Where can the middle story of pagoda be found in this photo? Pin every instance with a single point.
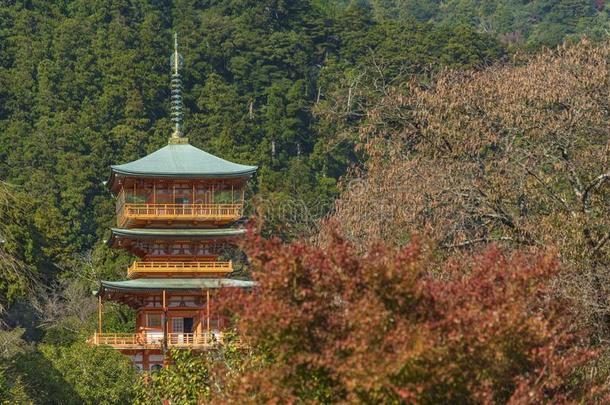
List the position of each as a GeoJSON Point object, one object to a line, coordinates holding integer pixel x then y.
{"type": "Point", "coordinates": [178, 211]}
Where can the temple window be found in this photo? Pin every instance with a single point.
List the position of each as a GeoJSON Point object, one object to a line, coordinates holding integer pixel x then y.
{"type": "Point", "coordinates": [153, 320]}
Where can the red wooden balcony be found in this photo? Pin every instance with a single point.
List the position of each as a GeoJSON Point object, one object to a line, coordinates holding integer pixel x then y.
{"type": "Point", "coordinates": [130, 214]}
{"type": "Point", "coordinates": [139, 269]}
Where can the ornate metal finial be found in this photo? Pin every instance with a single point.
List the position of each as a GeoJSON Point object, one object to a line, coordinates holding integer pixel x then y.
{"type": "Point", "coordinates": [176, 62]}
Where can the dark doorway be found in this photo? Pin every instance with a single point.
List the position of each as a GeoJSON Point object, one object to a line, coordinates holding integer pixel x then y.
{"type": "Point", "coordinates": [188, 325]}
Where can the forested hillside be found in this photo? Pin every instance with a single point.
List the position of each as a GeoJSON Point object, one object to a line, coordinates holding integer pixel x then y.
{"type": "Point", "coordinates": [516, 23]}
{"type": "Point", "coordinates": [332, 100]}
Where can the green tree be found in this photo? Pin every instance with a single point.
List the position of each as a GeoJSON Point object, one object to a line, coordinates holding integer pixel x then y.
{"type": "Point", "coordinates": [186, 381]}
{"type": "Point", "coordinates": [76, 374]}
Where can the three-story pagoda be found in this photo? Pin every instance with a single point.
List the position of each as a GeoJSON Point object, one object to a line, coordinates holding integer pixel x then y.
{"type": "Point", "coordinates": [177, 210]}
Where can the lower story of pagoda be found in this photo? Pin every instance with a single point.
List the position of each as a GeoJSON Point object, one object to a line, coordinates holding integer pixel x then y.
{"type": "Point", "coordinates": [170, 314]}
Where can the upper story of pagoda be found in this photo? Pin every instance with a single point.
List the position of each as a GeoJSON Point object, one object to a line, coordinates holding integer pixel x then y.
{"type": "Point", "coordinates": [179, 185]}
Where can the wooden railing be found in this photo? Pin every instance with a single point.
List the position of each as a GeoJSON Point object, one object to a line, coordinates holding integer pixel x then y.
{"type": "Point", "coordinates": [174, 212]}
{"type": "Point", "coordinates": [142, 340]}
{"type": "Point", "coordinates": [138, 268]}
{"type": "Point", "coordinates": [119, 340]}
{"type": "Point", "coordinates": [193, 339]}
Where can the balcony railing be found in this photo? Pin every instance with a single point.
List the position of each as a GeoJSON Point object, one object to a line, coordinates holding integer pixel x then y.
{"type": "Point", "coordinates": [223, 213]}
{"type": "Point", "coordinates": [194, 339]}
{"type": "Point", "coordinates": [121, 340]}
{"type": "Point", "coordinates": [151, 268]}
{"type": "Point", "coordinates": [149, 341]}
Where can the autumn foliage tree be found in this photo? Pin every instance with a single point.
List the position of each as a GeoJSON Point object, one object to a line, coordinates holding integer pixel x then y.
{"type": "Point", "coordinates": [515, 154]}
{"type": "Point", "coordinates": [330, 325]}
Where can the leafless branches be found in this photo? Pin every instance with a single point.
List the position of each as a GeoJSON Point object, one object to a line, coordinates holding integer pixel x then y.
{"type": "Point", "coordinates": [64, 300]}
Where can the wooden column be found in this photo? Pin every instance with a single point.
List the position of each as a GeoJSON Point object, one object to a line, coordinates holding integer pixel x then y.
{"type": "Point", "coordinates": [145, 362]}
{"type": "Point", "coordinates": [99, 314]}
{"type": "Point", "coordinates": [207, 303]}
{"type": "Point", "coordinates": [164, 348]}
{"type": "Point", "coordinates": [154, 192]}
{"type": "Point", "coordinates": [201, 316]}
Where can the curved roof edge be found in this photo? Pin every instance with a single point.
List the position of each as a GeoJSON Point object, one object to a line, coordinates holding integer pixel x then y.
{"type": "Point", "coordinates": [173, 233]}
{"type": "Point", "coordinates": [178, 231]}
{"type": "Point", "coordinates": [171, 284]}
{"type": "Point", "coordinates": [180, 161]}
{"type": "Point", "coordinates": [185, 176]}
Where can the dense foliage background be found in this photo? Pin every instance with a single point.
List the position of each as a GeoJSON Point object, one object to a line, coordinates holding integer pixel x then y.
{"type": "Point", "coordinates": [331, 99]}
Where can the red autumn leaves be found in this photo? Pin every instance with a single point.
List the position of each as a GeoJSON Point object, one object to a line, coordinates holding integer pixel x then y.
{"type": "Point", "coordinates": [329, 325]}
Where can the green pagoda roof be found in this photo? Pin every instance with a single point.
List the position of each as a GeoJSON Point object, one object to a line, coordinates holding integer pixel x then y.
{"type": "Point", "coordinates": [181, 161]}
{"type": "Point", "coordinates": [173, 284]}
{"type": "Point", "coordinates": [173, 233]}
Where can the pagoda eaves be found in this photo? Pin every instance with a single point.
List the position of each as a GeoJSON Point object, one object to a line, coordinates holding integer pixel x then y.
{"type": "Point", "coordinates": [180, 161]}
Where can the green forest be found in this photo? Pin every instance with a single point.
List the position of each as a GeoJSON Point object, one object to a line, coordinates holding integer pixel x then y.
{"type": "Point", "coordinates": [439, 167]}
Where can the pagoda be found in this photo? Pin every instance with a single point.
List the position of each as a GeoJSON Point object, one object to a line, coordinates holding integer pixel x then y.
{"type": "Point", "coordinates": [178, 210]}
